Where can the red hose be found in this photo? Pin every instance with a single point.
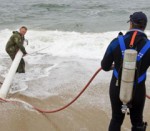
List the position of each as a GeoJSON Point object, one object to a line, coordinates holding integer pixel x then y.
{"type": "Point", "coordinates": [148, 96]}
{"type": "Point", "coordinates": [52, 111]}
{"type": "Point", "coordinates": [62, 108]}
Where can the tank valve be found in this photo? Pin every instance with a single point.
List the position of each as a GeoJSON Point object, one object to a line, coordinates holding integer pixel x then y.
{"type": "Point", "coordinates": [125, 109]}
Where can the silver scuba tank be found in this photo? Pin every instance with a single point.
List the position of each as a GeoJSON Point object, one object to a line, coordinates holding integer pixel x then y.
{"type": "Point", "coordinates": [127, 78]}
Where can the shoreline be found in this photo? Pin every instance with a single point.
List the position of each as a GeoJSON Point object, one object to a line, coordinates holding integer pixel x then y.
{"type": "Point", "coordinates": [91, 112]}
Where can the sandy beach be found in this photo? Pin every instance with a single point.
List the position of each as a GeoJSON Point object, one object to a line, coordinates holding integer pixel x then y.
{"type": "Point", "coordinates": [67, 40]}
{"type": "Point", "coordinates": [91, 112]}
{"type": "Point", "coordinates": [74, 118]}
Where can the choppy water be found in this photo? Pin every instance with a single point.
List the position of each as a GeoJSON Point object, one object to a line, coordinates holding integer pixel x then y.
{"type": "Point", "coordinates": [70, 15]}
{"type": "Point", "coordinates": [75, 34]}
{"type": "Point", "coordinates": [67, 28]}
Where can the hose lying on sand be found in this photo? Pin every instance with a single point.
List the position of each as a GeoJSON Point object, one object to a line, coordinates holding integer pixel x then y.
{"type": "Point", "coordinates": [64, 107]}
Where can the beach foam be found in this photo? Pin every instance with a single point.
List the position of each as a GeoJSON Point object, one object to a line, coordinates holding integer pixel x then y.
{"type": "Point", "coordinates": [60, 72]}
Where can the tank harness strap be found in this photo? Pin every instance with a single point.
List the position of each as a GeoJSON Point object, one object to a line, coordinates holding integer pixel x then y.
{"type": "Point", "coordinates": [123, 48]}
{"type": "Point", "coordinates": [142, 77]}
{"type": "Point", "coordinates": [143, 50]}
{"type": "Point", "coordinates": [115, 73]}
{"type": "Point", "coordinates": [122, 44]}
{"type": "Point", "coordinates": [139, 56]}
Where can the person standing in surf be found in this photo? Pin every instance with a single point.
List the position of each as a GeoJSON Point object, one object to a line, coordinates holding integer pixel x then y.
{"type": "Point", "coordinates": [113, 54]}
{"type": "Point", "coordinates": [15, 43]}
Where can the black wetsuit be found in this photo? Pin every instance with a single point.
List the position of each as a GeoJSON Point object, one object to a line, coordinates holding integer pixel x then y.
{"type": "Point", "coordinates": [113, 54]}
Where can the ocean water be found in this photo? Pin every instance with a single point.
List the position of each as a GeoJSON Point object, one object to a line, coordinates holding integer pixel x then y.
{"type": "Point", "coordinates": [70, 15]}
{"type": "Point", "coordinates": [63, 29]}
{"type": "Point", "coordinates": [45, 47]}
{"type": "Point", "coordinates": [80, 28]}
{"type": "Point", "coordinates": [67, 40]}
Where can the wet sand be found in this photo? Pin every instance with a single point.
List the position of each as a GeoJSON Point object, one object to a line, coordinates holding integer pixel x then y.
{"type": "Point", "coordinates": [15, 117]}
{"type": "Point", "coordinates": [75, 118]}
{"type": "Point", "coordinates": [91, 112]}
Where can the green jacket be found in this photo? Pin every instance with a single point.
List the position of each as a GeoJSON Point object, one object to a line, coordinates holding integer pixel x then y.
{"type": "Point", "coordinates": [15, 43]}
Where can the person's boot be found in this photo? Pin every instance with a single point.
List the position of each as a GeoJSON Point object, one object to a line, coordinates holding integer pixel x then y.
{"type": "Point", "coordinates": [140, 128]}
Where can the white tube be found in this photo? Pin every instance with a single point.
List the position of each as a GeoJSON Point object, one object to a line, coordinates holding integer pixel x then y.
{"type": "Point", "coordinates": [128, 75]}
{"type": "Point", "coordinates": [8, 80]}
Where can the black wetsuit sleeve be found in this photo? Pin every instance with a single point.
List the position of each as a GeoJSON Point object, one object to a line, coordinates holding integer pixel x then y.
{"type": "Point", "coordinates": [108, 58]}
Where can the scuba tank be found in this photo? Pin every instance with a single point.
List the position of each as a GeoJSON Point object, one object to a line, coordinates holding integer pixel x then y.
{"type": "Point", "coordinates": [130, 60]}
{"type": "Point", "coordinates": [127, 78]}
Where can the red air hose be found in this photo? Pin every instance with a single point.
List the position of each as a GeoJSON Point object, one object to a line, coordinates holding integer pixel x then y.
{"type": "Point", "coordinates": [56, 110]}
{"type": "Point", "coordinates": [52, 111]}
{"type": "Point", "coordinates": [148, 96]}
{"type": "Point", "coordinates": [62, 108]}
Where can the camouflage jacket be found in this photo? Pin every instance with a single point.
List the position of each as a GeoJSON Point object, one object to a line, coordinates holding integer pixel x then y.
{"type": "Point", "coordinates": [15, 43]}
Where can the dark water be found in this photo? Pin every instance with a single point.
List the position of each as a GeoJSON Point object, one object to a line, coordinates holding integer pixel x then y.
{"type": "Point", "coordinates": [70, 15]}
